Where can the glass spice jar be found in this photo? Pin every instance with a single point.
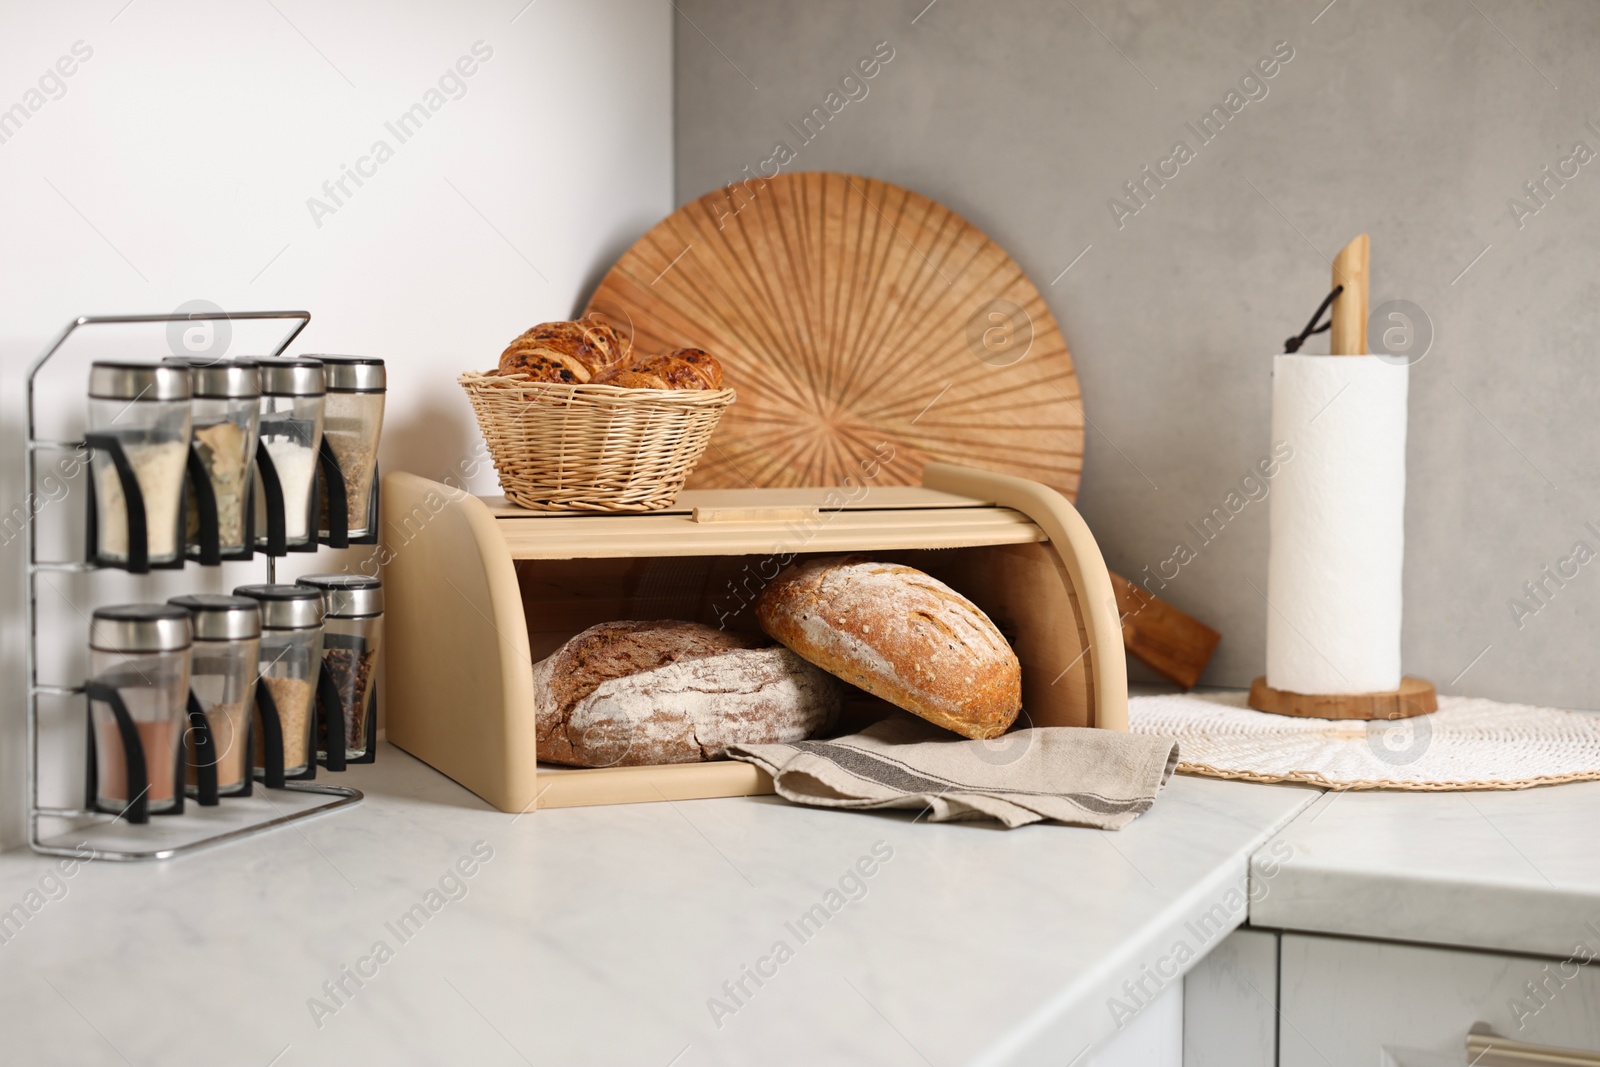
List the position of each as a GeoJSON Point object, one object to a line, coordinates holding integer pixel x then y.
{"type": "Point", "coordinates": [138, 653]}
{"type": "Point", "coordinates": [293, 392]}
{"type": "Point", "coordinates": [351, 634]}
{"type": "Point", "coordinates": [145, 408]}
{"type": "Point", "coordinates": [224, 663]}
{"type": "Point", "coordinates": [225, 410]}
{"type": "Point", "coordinates": [352, 424]}
{"type": "Point", "coordinates": [291, 655]}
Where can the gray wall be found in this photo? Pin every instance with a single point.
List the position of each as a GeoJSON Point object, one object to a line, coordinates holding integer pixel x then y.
{"type": "Point", "coordinates": [1415, 122]}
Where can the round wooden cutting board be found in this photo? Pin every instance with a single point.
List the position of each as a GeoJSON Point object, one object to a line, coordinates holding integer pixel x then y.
{"type": "Point", "coordinates": [857, 320]}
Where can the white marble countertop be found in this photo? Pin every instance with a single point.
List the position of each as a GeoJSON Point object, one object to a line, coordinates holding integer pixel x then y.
{"type": "Point", "coordinates": [600, 935]}
{"type": "Point", "coordinates": [1509, 871]}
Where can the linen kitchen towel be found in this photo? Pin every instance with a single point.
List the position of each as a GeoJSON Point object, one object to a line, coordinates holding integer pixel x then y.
{"type": "Point", "coordinates": [1082, 777]}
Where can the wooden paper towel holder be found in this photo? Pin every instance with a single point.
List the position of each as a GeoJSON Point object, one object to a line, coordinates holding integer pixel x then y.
{"type": "Point", "coordinates": [1414, 697]}
{"type": "Point", "coordinates": [1348, 337]}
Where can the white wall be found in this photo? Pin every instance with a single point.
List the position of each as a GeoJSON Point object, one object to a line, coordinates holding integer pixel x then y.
{"type": "Point", "coordinates": [176, 162]}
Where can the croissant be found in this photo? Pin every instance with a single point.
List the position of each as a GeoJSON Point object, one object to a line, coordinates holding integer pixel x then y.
{"type": "Point", "coordinates": [588, 348]}
{"type": "Point", "coordinates": [685, 368]}
{"type": "Point", "coordinates": [544, 365]}
{"type": "Point", "coordinates": [636, 379]}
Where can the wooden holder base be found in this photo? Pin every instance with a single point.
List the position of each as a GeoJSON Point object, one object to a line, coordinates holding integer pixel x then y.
{"type": "Point", "coordinates": [1414, 697]}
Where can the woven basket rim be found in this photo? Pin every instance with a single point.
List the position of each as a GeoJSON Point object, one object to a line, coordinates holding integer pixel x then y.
{"type": "Point", "coordinates": [593, 388]}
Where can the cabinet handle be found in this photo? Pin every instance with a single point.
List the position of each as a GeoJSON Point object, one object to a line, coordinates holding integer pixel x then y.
{"type": "Point", "coordinates": [1485, 1049]}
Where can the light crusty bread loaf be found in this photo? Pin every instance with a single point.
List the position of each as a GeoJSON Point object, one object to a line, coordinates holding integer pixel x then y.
{"type": "Point", "coordinates": [625, 694]}
{"type": "Point", "coordinates": [900, 635]}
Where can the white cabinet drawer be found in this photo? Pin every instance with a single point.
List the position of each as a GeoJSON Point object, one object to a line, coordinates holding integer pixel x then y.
{"type": "Point", "coordinates": [1372, 1004]}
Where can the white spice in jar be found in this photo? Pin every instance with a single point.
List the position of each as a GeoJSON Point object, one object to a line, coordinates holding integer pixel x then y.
{"type": "Point", "coordinates": [296, 465]}
{"type": "Point", "coordinates": [158, 469]}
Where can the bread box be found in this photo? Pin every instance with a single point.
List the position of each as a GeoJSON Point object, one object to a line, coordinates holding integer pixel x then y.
{"type": "Point", "coordinates": [479, 590]}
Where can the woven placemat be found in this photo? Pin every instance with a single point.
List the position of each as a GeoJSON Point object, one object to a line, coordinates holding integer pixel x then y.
{"type": "Point", "coordinates": [1468, 743]}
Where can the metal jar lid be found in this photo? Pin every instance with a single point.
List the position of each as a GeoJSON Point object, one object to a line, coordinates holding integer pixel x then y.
{"type": "Point", "coordinates": [110, 380]}
{"type": "Point", "coordinates": [348, 596]}
{"type": "Point", "coordinates": [221, 379]}
{"type": "Point", "coordinates": [140, 628]}
{"type": "Point", "coordinates": [353, 374]}
{"type": "Point", "coordinates": [221, 618]}
{"type": "Point", "coordinates": [296, 376]}
{"type": "Point", "coordinates": [285, 607]}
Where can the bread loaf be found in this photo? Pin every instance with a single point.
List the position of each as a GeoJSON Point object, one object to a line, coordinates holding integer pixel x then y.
{"type": "Point", "coordinates": [625, 694]}
{"type": "Point", "coordinates": [900, 635]}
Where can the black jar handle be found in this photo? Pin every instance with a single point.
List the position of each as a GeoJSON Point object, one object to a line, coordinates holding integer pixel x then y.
{"type": "Point", "coordinates": [205, 752]}
{"type": "Point", "coordinates": [205, 499]}
{"type": "Point", "coordinates": [137, 777]}
{"type": "Point", "coordinates": [337, 499]}
{"type": "Point", "coordinates": [271, 736]}
{"type": "Point", "coordinates": [272, 491]}
{"type": "Point", "coordinates": [138, 561]}
{"type": "Point", "coordinates": [331, 716]}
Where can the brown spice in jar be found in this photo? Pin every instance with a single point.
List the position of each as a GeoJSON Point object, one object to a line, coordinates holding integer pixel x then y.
{"type": "Point", "coordinates": [159, 740]}
{"type": "Point", "coordinates": [351, 674]}
{"type": "Point", "coordinates": [357, 457]}
{"type": "Point", "coordinates": [293, 699]}
{"type": "Point", "coordinates": [227, 723]}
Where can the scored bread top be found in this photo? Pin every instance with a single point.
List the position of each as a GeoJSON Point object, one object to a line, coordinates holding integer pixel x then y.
{"type": "Point", "coordinates": [901, 635]}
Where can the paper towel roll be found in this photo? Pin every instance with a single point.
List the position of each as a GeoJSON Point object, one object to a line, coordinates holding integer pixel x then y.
{"type": "Point", "coordinates": [1338, 524]}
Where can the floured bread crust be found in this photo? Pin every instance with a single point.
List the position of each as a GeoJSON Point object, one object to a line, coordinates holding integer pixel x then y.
{"type": "Point", "coordinates": [637, 693]}
{"type": "Point", "coordinates": [901, 635]}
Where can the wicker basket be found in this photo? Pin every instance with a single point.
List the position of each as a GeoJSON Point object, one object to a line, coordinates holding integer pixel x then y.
{"type": "Point", "coordinates": [592, 447]}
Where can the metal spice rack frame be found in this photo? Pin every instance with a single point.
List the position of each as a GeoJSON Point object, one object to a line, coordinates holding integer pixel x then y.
{"type": "Point", "coordinates": [341, 796]}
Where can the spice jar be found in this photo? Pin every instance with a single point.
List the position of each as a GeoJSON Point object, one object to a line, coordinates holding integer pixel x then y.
{"type": "Point", "coordinates": [351, 426]}
{"type": "Point", "coordinates": [225, 411]}
{"type": "Point", "coordinates": [138, 690]}
{"type": "Point", "coordinates": [141, 409]}
{"type": "Point", "coordinates": [292, 394]}
{"type": "Point", "coordinates": [352, 630]}
{"type": "Point", "coordinates": [291, 654]}
{"type": "Point", "coordinates": [223, 666]}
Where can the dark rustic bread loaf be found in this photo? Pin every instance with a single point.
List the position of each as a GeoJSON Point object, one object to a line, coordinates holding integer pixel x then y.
{"type": "Point", "coordinates": [900, 635]}
{"type": "Point", "coordinates": [630, 693]}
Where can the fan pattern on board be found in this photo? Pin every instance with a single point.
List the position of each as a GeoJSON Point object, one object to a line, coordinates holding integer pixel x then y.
{"type": "Point", "coordinates": [857, 320]}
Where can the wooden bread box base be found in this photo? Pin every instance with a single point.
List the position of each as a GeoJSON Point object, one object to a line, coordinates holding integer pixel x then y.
{"type": "Point", "coordinates": [479, 591]}
{"type": "Point", "coordinates": [1414, 697]}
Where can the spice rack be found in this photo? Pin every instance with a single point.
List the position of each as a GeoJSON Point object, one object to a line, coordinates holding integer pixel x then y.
{"type": "Point", "coordinates": [115, 839]}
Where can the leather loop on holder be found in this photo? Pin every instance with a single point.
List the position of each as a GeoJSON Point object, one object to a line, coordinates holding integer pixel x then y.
{"type": "Point", "coordinates": [1292, 345]}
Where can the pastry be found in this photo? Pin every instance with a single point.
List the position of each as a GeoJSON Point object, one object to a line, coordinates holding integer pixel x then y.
{"type": "Point", "coordinates": [590, 344]}
{"type": "Point", "coordinates": [544, 366]}
{"type": "Point", "coordinates": [686, 368]}
{"type": "Point", "coordinates": [636, 379]}
{"type": "Point", "coordinates": [901, 635]}
{"type": "Point", "coordinates": [626, 694]}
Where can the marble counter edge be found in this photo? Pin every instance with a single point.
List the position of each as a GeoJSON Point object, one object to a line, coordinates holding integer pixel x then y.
{"type": "Point", "coordinates": [1089, 1012]}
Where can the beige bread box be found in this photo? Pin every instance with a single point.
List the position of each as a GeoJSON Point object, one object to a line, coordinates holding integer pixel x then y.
{"type": "Point", "coordinates": [479, 591]}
